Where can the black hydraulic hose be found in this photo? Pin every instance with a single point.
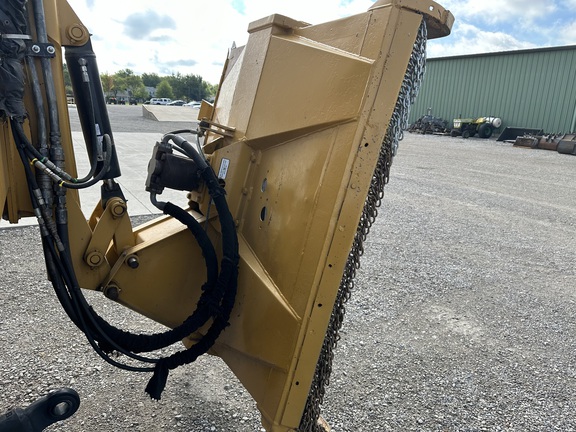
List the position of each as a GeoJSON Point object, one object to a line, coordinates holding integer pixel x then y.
{"type": "Point", "coordinates": [39, 105]}
{"type": "Point", "coordinates": [50, 258]}
{"type": "Point", "coordinates": [56, 150]}
{"type": "Point", "coordinates": [106, 334]}
{"type": "Point", "coordinates": [74, 302]}
{"type": "Point", "coordinates": [86, 312]}
{"type": "Point", "coordinates": [227, 279]}
{"type": "Point", "coordinates": [91, 329]}
{"type": "Point", "coordinates": [101, 174]}
{"type": "Point", "coordinates": [82, 312]}
{"type": "Point", "coordinates": [42, 34]}
{"type": "Point", "coordinates": [54, 266]}
{"type": "Point", "coordinates": [43, 152]}
{"type": "Point", "coordinates": [44, 180]}
{"type": "Point", "coordinates": [94, 140]}
{"type": "Point", "coordinates": [217, 193]}
{"type": "Point", "coordinates": [48, 245]}
{"type": "Point", "coordinates": [229, 237]}
{"type": "Point", "coordinates": [181, 131]}
{"type": "Point", "coordinates": [207, 304]}
{"type": "Point", "coordinates": [34, 154]}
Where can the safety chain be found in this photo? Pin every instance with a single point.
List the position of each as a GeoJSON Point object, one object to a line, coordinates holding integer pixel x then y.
{"type": "Point", "coordinates": [394, 133]}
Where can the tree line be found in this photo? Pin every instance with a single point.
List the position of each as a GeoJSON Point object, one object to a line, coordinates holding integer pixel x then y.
{"type": "Point", "coordinates": [175, 86]}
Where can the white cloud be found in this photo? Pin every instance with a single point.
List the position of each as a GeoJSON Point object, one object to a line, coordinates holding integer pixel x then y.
{"type": "Point", "coordinates": [567, 33]}
{"type": "Point", "coordinates": [469, 39]}
{"type": "Point", "coordinates": [498, 11]}
{"type": "Point", "coordinates": [200, 37]}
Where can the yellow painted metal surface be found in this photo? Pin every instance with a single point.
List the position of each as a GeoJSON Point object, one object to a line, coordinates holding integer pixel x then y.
{"type": "Point", "coordinates": [14, 200]}
{"type": "Point", "coordinates": [311, 103]}
{"type": "Point", "coordinates": [308, 107]}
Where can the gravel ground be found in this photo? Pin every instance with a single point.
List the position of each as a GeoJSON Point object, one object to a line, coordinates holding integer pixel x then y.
{"type": "Point", "coordinates": [462, 318]}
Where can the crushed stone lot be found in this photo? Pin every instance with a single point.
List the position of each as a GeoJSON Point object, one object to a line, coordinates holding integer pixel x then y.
{"type": "Point", "coordinates": [463, 317]}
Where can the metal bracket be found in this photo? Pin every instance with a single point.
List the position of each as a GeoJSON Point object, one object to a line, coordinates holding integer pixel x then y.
{"type": "Point", "coordinates": [210, 126]}
{"type": "Point", "coordinates": [37, 49]}
{"type": "Point", "coordinates": [14, 36]}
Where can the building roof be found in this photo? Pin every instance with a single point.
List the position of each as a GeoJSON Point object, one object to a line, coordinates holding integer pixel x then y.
{"type": "Point", "coordinates": [506, 53]}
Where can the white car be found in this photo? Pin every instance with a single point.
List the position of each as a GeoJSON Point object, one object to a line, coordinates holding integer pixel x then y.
{"type": "Point", "coordinates": [194, 104]}
{"type": "Point", "coordinates": [160, 101]}
{"type": "Point", "coordinates": [178, 102]}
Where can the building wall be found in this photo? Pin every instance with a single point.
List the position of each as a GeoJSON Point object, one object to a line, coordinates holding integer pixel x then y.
{"type": "Point", "coordinates": [529, 88]}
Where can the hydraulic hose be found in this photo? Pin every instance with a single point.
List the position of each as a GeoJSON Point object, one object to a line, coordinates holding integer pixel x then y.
{"type": "Point", "coordinates": [219, 290]}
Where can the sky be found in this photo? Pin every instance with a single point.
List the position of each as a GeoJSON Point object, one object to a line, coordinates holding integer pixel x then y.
{"type": "Point", "coordinates": [188, 37]}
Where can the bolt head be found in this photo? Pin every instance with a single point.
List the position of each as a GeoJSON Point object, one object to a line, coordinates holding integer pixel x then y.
{"type": "Point", "coordinates": [94, 258]}
{"type": "Point", "coordinates": [133, 262]}
{"type": "Point", "coordinates": [112, 292]}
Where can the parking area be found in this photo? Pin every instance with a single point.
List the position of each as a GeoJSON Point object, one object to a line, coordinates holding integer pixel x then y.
{"type": "Point", "coordinates": [462, 318]}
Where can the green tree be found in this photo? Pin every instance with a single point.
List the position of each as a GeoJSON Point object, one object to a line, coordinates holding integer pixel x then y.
{"type": "Point", "coordinates": [124, 73]}
{"type": "Point", "coordinates": [190, 87]}
{"type": "Point", "coordinates": [118, 84]}
{"type": "Point", "coordinates": [130, 82]}
{"type": "Point", "coordinates": [67, 79]}
{"type": "Point", "coordinates": [151, 80]}
{"type": "Point", "coordinates": [214, 90]}
{"type": "Point", "coordinates": [141, 93]}
{"type": "Point", "coordinates": [187, 87]}
{"type": "Point", "coordinates": [107, 83]}
{"type": "Point", "coordinates": [164, 90]}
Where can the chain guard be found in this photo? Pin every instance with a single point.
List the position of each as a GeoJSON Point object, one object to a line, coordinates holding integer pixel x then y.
{"type": "Point", "coordinates": [394, 134]}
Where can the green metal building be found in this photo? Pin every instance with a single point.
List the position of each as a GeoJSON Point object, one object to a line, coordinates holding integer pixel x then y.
{"type": "Point", "coordinates": [533, 88]}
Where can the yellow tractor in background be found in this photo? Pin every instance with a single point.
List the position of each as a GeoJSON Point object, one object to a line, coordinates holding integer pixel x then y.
{"type": "Point", "coordinates": [482, 126]}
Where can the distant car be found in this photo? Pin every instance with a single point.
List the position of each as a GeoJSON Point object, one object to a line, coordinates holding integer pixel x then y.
{"type": "Point", "coordinates": [177, 102]}
{"type": "Point", "coordinates": [133, 101]}
{"type": "Point", "coordinates": [160, 101]}
{"type": "Point", "coordinates": [194, 104]}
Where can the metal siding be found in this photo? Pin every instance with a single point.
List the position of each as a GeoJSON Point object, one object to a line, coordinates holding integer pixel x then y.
{"type": "Point", "coordinates": [568, 93]}
{"type": "Point", "coordinates": [549, 77]}
{"type": "Point", "coordinates": [563, 103]}
{"type": "Point", "coordinates": [532, 89]}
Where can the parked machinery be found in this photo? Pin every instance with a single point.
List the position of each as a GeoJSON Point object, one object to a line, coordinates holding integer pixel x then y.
{"type": "Point", "coordinates": [468, 127]}
{"type": "Point", "coordinates": [429, 124]}
{"type": "Point", "coordinates": [562, 143]}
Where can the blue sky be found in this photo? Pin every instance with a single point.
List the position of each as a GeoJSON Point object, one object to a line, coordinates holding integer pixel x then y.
{"type": "Point", "coordinates": [177, 36]}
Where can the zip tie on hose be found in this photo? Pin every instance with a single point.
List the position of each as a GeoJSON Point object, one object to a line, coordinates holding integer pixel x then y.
{"type": "Point", "coordinates": [212, 183]}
